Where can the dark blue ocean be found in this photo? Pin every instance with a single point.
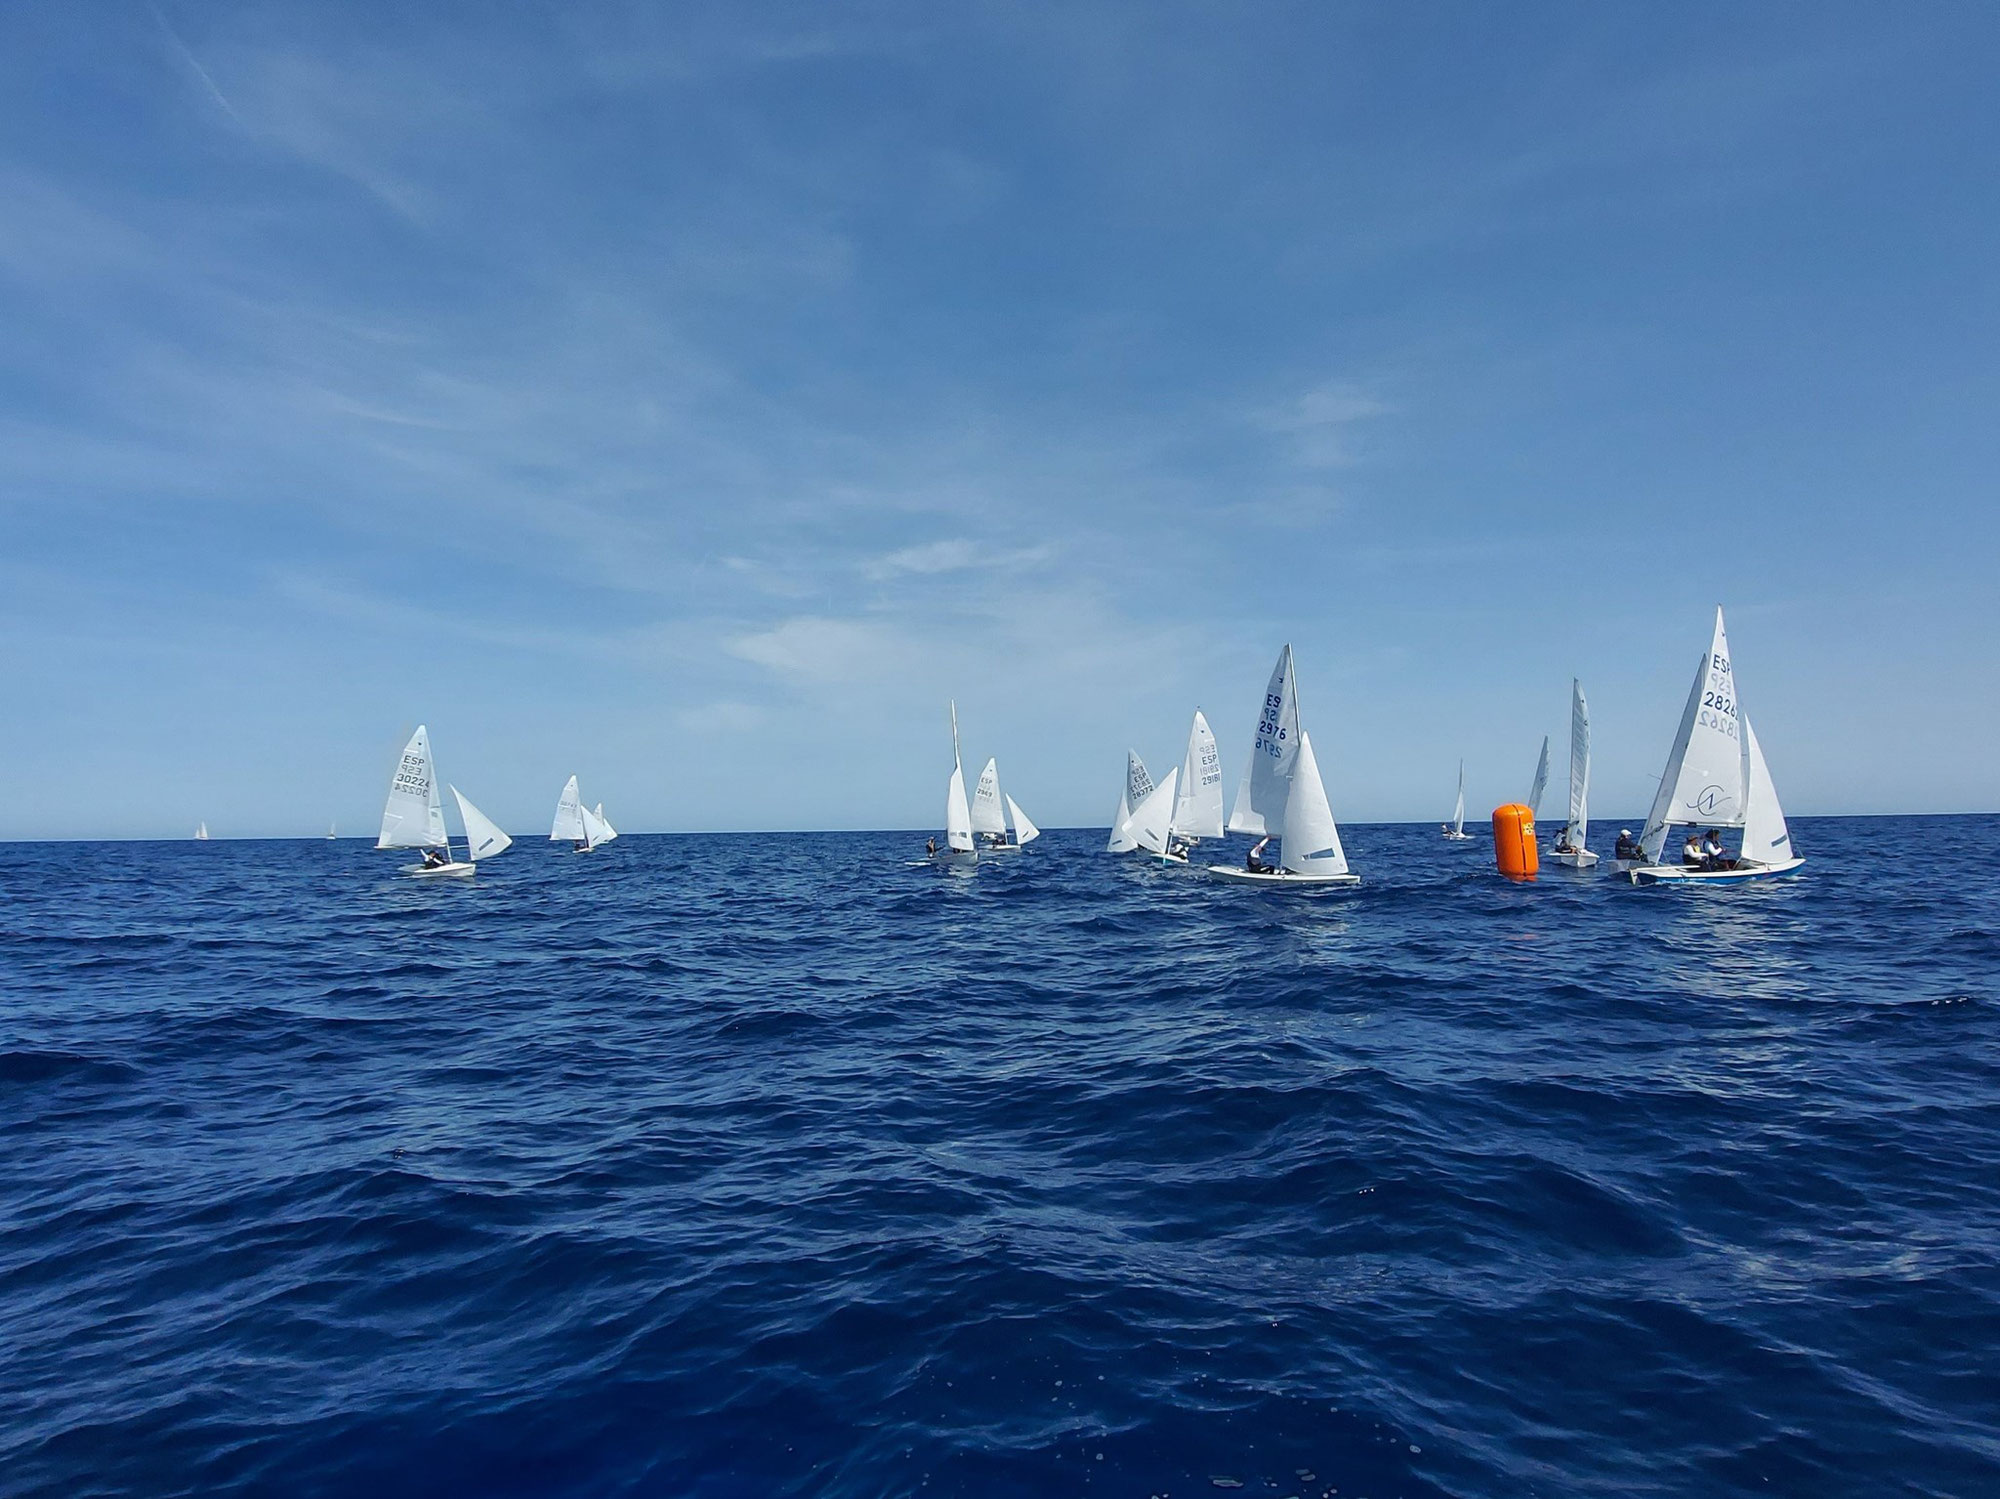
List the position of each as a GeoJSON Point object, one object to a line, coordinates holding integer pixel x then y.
{"type": "Point", "coordinates": [769, 1166]}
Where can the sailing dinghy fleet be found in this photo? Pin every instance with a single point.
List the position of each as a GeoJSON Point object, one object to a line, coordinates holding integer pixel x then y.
{"type": "Point", "coordinates": [1716, 778]}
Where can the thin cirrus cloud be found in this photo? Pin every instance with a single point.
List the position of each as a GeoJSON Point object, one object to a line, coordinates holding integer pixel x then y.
{"type": "Point", "coordinates": [591, 381]}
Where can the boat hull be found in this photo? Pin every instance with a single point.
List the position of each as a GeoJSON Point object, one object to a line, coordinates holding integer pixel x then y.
{"type": "Point", "coordinates": [441, 871]}
{"type": "Point", "coordinates": [952, 858]}
{"type": "Point", "coordinates": [1458, 837]}
{"type": "Point", "coordinates": [1280, 877]}
{"type": "Point", "coordinates": [1669, 874]}
{"type": "Point", "coordinates": [1581, 860]}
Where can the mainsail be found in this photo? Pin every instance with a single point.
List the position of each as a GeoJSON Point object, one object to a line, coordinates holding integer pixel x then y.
{"type": "Point", "coordinates": [1311, 840]}
{"type": "Point", "coordinates": [1706, 769]}
{"type": "Point", "coordinates": [568, 826]}
{"type": "Point", "coordinates": [1541, 782]}
{"type": "Point", "coordinates": [988, 814]}
{"type": "Point", "coordinates": [1579, 765]}
{"type": "Point", "coordinates": [1260, 798]}
{"type": "Point", "coordinates": [957, 815]}
{"type": "Point", "coordinates": [609, 832]}
{"type": "Point", "coordinates": [482, 835]}
{"type": "Point", "coordinates": [413, 816]}
{"type": "Point", "coordinates": [1198, 809]}
{"type": "Point", "coordinates": [1458, 807]}
{"type": "Point", "coordinates": [594, 831]}
{"type": "Point", "coordinates": [1025, 832]}
{"type": "Point", "coordinates": [1138, 786]}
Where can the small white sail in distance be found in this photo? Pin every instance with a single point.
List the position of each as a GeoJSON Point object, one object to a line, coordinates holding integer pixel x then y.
{"type": "Point", "coordinates": [1025, 832]}
{"type": "Point", "coordinates": [957, 815]}
{"type": "Point", "coordinates": [1703, 784]}
{"type": "Point", "coordinates": [1198, 809]}
{"type": "Point", "coordinates": [1458, 807]}
{"type": "Point", "coordinates": [593, 831]}
{"type": "Point", "coordinates": [1311, 839]}
{"type": "Point", "coordinates": [1541, 782]}
{"type": "Point", "coordinates": [1579, 765]}
{"type": "Point", "coordinates": [605, 823]}
{"type": "Point", "coordinates": [568, 826]}
{"type": "Point", "coordinates": [201, 832]}
{"type": "Point", "coordinates": [988, 813]}
{"type": "Point", "coordinates": [413, 815]}
{"type": "Point", "coordinates": [1152, 820]}
{"type": "Point", "coordinates": [1260, 798]}
{"type": "Point", "coordinates": [483, 837]}
{"type": "Point", "coordinates": [1138, 786]}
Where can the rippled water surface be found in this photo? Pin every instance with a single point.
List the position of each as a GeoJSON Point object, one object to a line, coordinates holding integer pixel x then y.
{"type": "Point", "coordinates": [772, 1166]}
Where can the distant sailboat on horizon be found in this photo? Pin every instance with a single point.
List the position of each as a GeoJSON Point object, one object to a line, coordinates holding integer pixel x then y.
{"type": "Point", "coordinates": [991, 813]}
{"type": "Point", "coordinates": [201, 832]}
{"type": "Point", "coordinates": [1138, 786]}
{"type": "Point", "coordinates": [413, 817]}
{"type": "Point", "coordinates": [1282, 794]}
{"type": "Point", "coordinates": [576, 824]}
{"type": "Point", "coordinates": [1716, 778]}
{"type": "Point", "coordinates": [1454, 831]}
{"type": "Point", "coordinates": [1571, 849]}
{"type": "Point", "coordinates": [959, 851]}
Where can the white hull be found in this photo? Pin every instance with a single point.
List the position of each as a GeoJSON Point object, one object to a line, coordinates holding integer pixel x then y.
{"type": "Point", "coordinates": [1457, 837]}
{"type": "Point", "coordinates": [1180, 859]}
{"type": "Point", "coordinates": [440, 872]}
{"type": "Point", "coordinates": [951, 858]}
{"type": "Point", "coordinates": [1001, 848]}
{"type": "Point", "coordinates": [1582, 860]}
{"type": "Point", "coordinates": [1279, 877]}
{"type": "Point", "coordinates": [1679, 874]}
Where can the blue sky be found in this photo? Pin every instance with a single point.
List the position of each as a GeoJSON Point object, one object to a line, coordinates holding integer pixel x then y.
{"type": "Point", "coordinates": [694, 398]}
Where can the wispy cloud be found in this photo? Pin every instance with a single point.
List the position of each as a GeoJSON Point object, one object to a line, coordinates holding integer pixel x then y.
{"type": "Point", "coordinates": [1323, 424]}
{"type": "Point", "coordinates": [950, 556]}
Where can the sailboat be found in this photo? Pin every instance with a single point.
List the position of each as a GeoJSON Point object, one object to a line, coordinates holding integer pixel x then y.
{"type": "Point", "coordinates": [1454, 831]}
{"type": "Point", "coordinates": [1716, 778]}
{"type": "Point", "coordinates": [413, 816]}
{"type": "Point", "coordinates": [1570, 850]}
{"type": "Point", "coordinates": [1282, 793]}
{"type": "Point", "coordinates": [577, 824]}
{"type": "Point", "coordinates": [201, 832]}
{"type": "Point", "coordinates": [330, 833]}
{"type": "Point", "coordinates": [991, 813]}
{"type": "Point", "coordinates": [1138, 786]}
{"type": "Point", "coordinates": [1198, 804]}
{"type": "Point", "coordinates": [959, 851]}
{"type": "Point", "coordinates": [1151, 824]}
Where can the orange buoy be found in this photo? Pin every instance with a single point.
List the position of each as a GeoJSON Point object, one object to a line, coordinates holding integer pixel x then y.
{"type": "Point", "coordinates": [1514, 842]}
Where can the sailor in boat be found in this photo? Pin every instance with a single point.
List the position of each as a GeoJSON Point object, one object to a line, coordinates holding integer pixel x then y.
{"type": "Point", "coordinates": [1691, 852]}
{"type": "Point", "coordinates": [1563, 843]}
{"type": "Point", "coordinates": [1628, 846]}
{"type": "Point", "coordinates": [433, 859]}
{"type": "Point", "coordinates": [1252, 860]}
{"type": "Point", "coordinates": [1178, 848]}
{"type": "Point", "coordinates": [930, 848]}
{"type": "Point", "coordinates": [1712, 856]}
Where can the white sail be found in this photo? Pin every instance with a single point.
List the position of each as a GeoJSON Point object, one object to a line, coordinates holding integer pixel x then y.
{"type": "Point", "coordinates": [1766, 838]}
{"type": "Point", "coordinates": [1260, 798]}
{"type": "Point", "coordinates": [201, 832]}
{"type": "Point", "coordinates": [1198, 810]}
{"type": "Point", "coordinates": [1138, 786]}
{"type": "Point", "coordinates": [1541, 782]}
{"type": "Point", "coordinates": [1152, 820]}
{"type": "Point", "coordinates": [1025, 832]}
{"type": "Point", "coordinates": [568, 826]}
{"type": "Point", "coordinates": [1458, 808]}
{"type": "Point", "coordinates": [1579, 765]}
{"type": "Point", "coordinates": [957, 815]}
{"type": "Point", "coordinates": [413, 816]}
{"type": "Point", "coordinates": [1311, 841]}
{"type": "Point", "coordinates": [605, 823]}
{"type": "Point", "coordinates": [482, 835]}
{"type": "Point", "coordinates": [988, 813]}
{"type": "Point", "coordinates": [593, 831]}
{"type": "Point", "coordinates": [1704, 780]}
